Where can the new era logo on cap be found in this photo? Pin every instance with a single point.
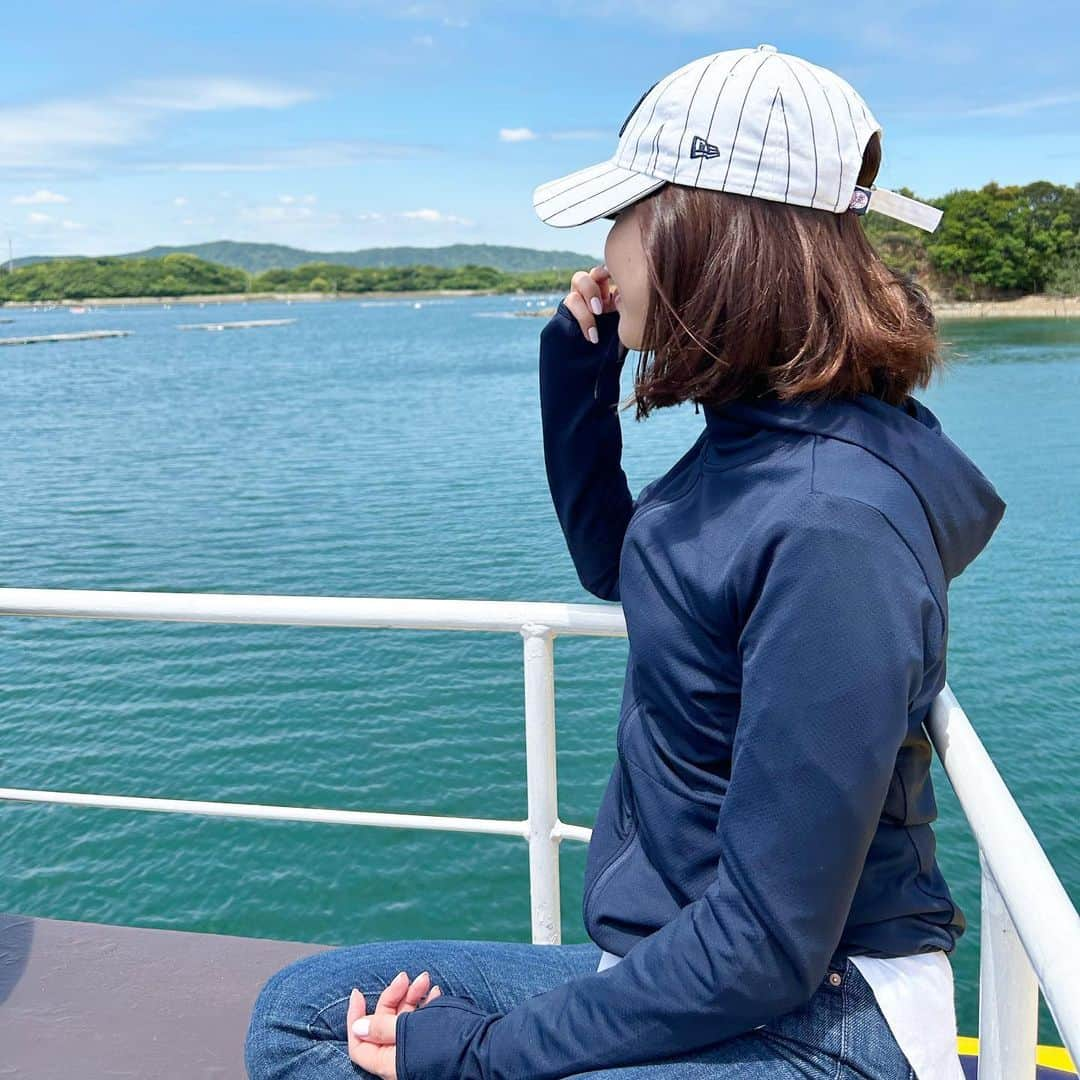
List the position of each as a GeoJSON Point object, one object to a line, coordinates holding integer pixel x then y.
{"type": "Point", "coordinates": [700, 148]}
{"type": "Point", "coordinates": [755, 122]}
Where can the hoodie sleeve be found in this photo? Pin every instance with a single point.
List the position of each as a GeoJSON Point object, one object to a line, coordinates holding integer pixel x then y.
{"type": "Point", "coordinates": [835, 618]}
{"type": "Point", "coordinates": [579, 388]}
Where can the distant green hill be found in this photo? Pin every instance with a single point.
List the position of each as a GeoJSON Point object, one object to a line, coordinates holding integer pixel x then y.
{"type": "Point", "coordinates": [999, 242]}
{"type": "Point", "coordinates": [256, 258]}
{"type": "Point", "coordinates": [183, 274]}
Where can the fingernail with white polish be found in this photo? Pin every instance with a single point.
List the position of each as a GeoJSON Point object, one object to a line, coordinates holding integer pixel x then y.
{"type": "Point", "coordinates": [597, 306]}
{"type": "Point", "coordinates": [360, 1027]}
{"type": "Point", "coordinates": [594, 336]}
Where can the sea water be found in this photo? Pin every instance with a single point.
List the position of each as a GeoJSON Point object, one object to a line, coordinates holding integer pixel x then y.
{"type": "Point", "coordinates": [379, 448]}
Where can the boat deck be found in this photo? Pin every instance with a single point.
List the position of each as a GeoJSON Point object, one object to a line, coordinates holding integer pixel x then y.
{"type": "Point", "coordinates": [128, 1003]}
{"type": "Point", "coordinates": [108, 1002]}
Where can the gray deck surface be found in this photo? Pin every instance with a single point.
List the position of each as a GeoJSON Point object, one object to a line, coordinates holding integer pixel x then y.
{"type": "Point", "coordinates": [89, 1001]}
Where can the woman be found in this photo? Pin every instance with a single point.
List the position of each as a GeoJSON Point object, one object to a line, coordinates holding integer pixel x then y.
{"type": "Point", "coordinates": [761, 897]}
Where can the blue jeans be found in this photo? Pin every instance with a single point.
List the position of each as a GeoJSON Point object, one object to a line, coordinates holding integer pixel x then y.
{"type": "Point", "coordinates": [297, 1029]}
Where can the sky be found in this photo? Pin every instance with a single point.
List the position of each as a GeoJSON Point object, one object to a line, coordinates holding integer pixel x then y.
{"type": "Point", "coordinates": [346, 124]}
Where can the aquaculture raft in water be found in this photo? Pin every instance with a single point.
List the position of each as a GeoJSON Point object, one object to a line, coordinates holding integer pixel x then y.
{"type": "Point", "coordinates": [234, 325]}
{"type": "Point", "coordinates": [82, 335]}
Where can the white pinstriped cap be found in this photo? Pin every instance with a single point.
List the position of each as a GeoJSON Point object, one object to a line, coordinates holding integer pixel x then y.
{"type": "Point", "coordinates": [750, 121]}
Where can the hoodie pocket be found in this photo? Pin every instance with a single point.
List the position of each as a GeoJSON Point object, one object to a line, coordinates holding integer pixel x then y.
{"type": "Point", "coordinates": [626, 893]}
{"type": "Point", "coordinates": [622, 852]}
{"type": "Point", "coordinates": [615, 825]}
{"type": "Point", "coordinates": [629, 899]}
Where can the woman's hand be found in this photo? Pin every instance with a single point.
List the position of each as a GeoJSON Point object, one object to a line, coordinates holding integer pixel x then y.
{"type": "Point", "coordinates": [372, 1042]}
{"type": "Point", "coordinates": [591, 294]}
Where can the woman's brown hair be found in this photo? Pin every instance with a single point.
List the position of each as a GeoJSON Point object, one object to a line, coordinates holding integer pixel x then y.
{"type": "Point", "coordinates": [751, 296]}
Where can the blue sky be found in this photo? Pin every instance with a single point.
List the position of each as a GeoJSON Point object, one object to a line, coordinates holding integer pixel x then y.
{"type": "Point", "coordinates": [342, 124]}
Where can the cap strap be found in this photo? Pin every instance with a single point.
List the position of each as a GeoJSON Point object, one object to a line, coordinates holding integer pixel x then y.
{"type": "Point", "coordinates": [894, 205]}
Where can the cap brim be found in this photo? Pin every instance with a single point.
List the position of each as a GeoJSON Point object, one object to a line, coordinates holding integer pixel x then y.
{"type": "Point", "coordinates": [587, 194]}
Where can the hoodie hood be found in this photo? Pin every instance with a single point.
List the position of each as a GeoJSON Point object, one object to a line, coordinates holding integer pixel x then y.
{"type": "Point", "coordinates": [961, 504]}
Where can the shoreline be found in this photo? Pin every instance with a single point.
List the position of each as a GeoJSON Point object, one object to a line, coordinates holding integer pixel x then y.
{"type": "Point", "coordinates": [241, 298]}
{"type": "Point", "coordinates": [1027, 307]}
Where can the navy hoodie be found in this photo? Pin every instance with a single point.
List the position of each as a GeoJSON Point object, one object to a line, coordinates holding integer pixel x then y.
{"type": "Point", "coordinates": [784, 587]}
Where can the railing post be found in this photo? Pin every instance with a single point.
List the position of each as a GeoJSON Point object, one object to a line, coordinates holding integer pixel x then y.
{"type": "Point", "coordinates": [1008, 992]}
{"type": "Point", "coordinates": [542, 783]}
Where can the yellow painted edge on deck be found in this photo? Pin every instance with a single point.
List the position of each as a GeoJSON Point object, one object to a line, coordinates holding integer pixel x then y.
{"type": "Point", "coordinates": [1053, 1057]}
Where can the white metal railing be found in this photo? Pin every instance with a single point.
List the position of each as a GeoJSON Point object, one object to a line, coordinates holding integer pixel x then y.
{"type": "Point", "coordinates": [1030, 931]}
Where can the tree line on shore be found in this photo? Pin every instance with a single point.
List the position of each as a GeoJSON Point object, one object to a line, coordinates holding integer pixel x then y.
{"type": "Point", "coordinates": [999, 242]}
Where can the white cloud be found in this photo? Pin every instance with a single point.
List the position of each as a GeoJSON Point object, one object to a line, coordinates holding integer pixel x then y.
{"type": "Point", "coordinates": [71, 135]}
{"type": "Point", "coordinates": [180, 200]}
{"type": "Point", "coordinates": [328, 154]}
{"type": "Point", "coordinates": [524, 134]}
{"type": "Point", "coordinates": [289, 210]}
{"type": "Point", "coordinates": [426, 40]}
{"type": "Point", "coordinates": [672, 15]}
{"type": "Point", "coordinates": [203, 95]}
{"type": "Point", "coordinates": [276, 214]}
{"type": "Point", "coordinates": [39, 198]}
{"type": "Point", "coordinates": [45, 224]}
{"type": "Point", "coordinates": [725, 18]}
{"type": "Point", "coordinates": [1019, 108]}
{"type": "Point", "coordinates": [212, 166]}
{"type": "Point", "coordinates": [419, 11]}
{"type": "Point", "coordinates": [428, 10]}
{"type": "Point", "coordinates": [394, 9]}
{"type": "Point", "coordinates": [436, 217]}
{"type": "Point", "coordinates": [55, 133]}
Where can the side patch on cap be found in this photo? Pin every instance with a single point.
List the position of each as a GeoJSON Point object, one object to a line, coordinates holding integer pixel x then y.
{"type": "Point", "coordinates": [860, 199]}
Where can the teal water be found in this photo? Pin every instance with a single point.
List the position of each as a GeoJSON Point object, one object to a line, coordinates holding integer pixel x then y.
{"type": "Point", "coordinates": [375, 448]}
